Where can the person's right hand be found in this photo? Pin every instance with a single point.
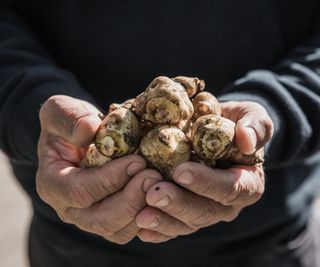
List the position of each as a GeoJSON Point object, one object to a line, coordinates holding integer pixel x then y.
{"type": "Point", "coordinates": [104, 200]}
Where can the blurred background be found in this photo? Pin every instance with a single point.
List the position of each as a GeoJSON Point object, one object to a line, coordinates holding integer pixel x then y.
{"type": "Point", "coordinates": [15, 210]}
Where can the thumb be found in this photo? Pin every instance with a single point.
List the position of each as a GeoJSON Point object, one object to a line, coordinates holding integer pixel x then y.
{"type": "Point", "coordinates": [72, 119]}
{"type": "Point", "coordinates": [253, 131]}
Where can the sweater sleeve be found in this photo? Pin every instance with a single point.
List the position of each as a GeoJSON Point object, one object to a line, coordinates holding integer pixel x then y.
{"type": "Point", "coordinates": [290, 92]}
{"type": "Point", "coordinates": [28, 76]}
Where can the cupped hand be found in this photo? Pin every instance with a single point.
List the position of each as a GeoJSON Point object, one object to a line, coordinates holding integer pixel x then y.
{"type": "Point", "coordinates": [103, 201]}
{"type": "Point", "coordinates": [207, 196]}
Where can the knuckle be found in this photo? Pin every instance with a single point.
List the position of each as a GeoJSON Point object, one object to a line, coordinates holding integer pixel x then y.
{"type": "Point", "coordinates": [252, 189]}
{"type": "Point", "coordinates": [41, 188]}
{"type": "Point", "coordinates": [180, 210]}
{"type": "Point", "coordinates": [111, 183]}
{"type": "Point", "coordinates": [209, 190]}
{"type": "Point", "coordinates": [245, 191]}
{"type": "Point", "coordinates": [255, 106]}
{"type": "Point", "coordinates": [231, 215]}
{"type": "Point", "coordinates": [232, 193]}
{"type": "Point", "coordinates": [132, 208]}
{"type": "Point", "coordinates": [269, 127]}
{"type": "Point", "coordinates": [52, 103]}
{"type": "Point", "coordinates": [48, 104]}
{"type": "Point", "coordinates": [99, 227]}
{"type": "Point", "coordinates": [206, 217]}
{"type": "Point", "coordinates": [63, 215]}
{"type": "Point", "coordinates": [122, 241]}
{"type": "Point", "coordinates": [155, 237]}
{"type": "Point", "coordinates": [258, 193]}
{"type": "Point", "coordinates": [79, 120]}
{"type": "Point", "coordinates": [122, 238]}
{"type": "Point", "coordinates": [80, 196]}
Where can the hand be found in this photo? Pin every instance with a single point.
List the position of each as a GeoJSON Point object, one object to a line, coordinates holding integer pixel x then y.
{"type": "Point", "coordinates": [102, 200]}
{"type": "Point", "coordinates": [207, 196]}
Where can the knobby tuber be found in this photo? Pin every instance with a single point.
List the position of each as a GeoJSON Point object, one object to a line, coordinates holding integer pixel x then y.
{"type": "Point", "coordinates": [94, 158]}
{"type": "Point", "coordinates": [212, 138]}
{"type": "Point", "coordinates": [128, 104]}
{"type": "Point", "coordinates": [165, 147]}
{"type": "Point", "coordinates": [171, 122]}
{"type": "Point", "coordinates": [191, 85]}
{"type": "Point", "coordinates": [205, 103]}
{"type": "Point", "coordinates": [164, 102]}
{"type": "Point", "coordinates": [119, 133]}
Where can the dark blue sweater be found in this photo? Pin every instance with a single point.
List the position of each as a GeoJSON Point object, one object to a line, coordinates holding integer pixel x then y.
{"type": "Point", "coordinates": [266, 51]}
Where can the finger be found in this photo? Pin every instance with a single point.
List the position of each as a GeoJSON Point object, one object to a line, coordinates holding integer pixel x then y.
{"type": "Point", "coordinates": [153, 236]}
{"type": "Point", "coordinates": [254, 127]}
{"type": "Point", "coordinates": [125, 235]}
{"type": "Point", "coordinates": [72, 119]}
{"type": "Point", "coordinates": [253, 131]}
{"type": "Point", "coordinates": [53, 149]}
{"type": "Point", "coordinates": [113, 213]}
{"type": "Point", "coordinates": [191, 209]}
{"type": "Point", "coordinates": [158, 221]}
{"type": "Point", "coordinates": [240, 185]}
{"type": "Point", "coordinates": [81, 188]}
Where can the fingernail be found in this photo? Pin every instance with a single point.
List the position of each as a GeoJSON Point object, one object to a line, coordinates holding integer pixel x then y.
{"type": "Point", "coordinates": [148, 183]}
{"type": "Point", "coordinates": [163, 202]}
{"type": "Point", "coordinates": [134, 168]}
{"type": "Point", "coordinates": [186, 178]}
{"type": "Point", "coordinates": [154, 224]}
{"type": "Point", "coordinates": [252, 138]}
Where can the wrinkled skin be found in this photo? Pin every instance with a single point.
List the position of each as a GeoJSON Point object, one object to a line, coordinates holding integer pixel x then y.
{"type": "Point", "coordinates": [111, 201]}
{"type": "Point", "coordinates": [165, 147]}
{"type": "Point", "coordinates": [202, 196]}
{"type": "Point", "coordinates": [102, 201]}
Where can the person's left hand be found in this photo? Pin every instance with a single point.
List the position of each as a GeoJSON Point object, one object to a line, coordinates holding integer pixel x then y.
{"type": "Point", "coordinates": [207, 196]}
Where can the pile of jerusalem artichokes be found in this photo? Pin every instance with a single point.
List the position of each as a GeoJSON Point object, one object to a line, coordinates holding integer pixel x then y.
{"type": "Point", "coordinates": [171, 122]}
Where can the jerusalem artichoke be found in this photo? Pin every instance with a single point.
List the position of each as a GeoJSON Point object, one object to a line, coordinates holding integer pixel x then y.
{"type": "Point", "coordinates": [164, 102]}
{"type": "Point", "coordinates": [94, 158]}
{"type": "Point", "coordinates": [119, 134]}
{"type": "Point", "coordinates": [212, 138]}
{"type": "Point", "coordinates": [172, 121]}
{"type": "Point", "coordinates": [165, 147]}
{"type": "Point", "coordinates": [191, 85]}
{"type": "Point", "coordinates": [205, 103]}
{"type": "Point", "coordinates": [128, 104]}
